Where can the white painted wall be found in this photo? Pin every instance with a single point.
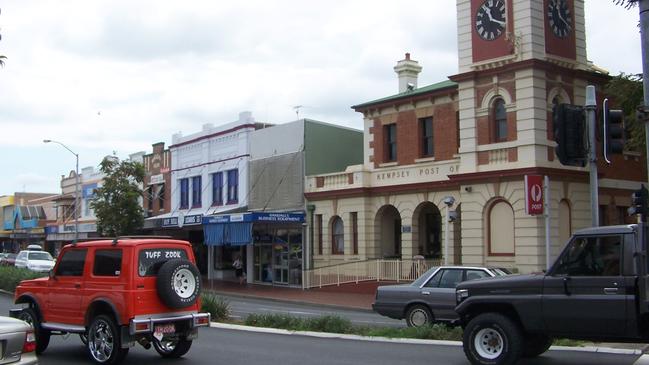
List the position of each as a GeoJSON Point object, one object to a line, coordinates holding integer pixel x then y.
{"type": "Point", "coordinates": [211, 150]}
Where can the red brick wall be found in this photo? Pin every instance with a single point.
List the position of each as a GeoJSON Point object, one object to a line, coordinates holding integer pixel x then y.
{"type": "Point", "coordinates": [409, 136]}
{"type": "Point", "coordinates": [408, 145]}
{"type": "Point", "coordinates": [483, 157]}
{"type": "Point", "coordinates": [445, 132]}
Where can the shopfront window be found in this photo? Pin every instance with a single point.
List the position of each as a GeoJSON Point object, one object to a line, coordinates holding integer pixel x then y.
{"type": "Point", "coordinates": [277, 255]}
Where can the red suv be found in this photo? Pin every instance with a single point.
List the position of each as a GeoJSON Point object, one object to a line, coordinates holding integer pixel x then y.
{"type": "Point", "coordinates": [116, 293]}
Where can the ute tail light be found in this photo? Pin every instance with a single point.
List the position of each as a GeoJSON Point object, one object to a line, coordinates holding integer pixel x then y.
{"type": "Point", "coordinates": [143, 327]}
{"type": "Point", "coordinates": [30, 342]}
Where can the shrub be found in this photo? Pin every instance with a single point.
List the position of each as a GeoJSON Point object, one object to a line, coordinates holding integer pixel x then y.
{"type": "Point", "coordinates": [218, 307]}
{"type": "Point", "coordinates": [283, 321]}
{"type": "Point", "coordinates": [433, 332]}
{"type": "Point", "coordinates": [10, 276]}
{"type": "Point", "coordinates": [330, 323]}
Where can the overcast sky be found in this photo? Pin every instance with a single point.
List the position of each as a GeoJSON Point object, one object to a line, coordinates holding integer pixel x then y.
{"type": "Point", "coordinates": [104, 76]}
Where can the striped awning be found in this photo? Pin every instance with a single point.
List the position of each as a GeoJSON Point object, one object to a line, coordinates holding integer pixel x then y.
{"type": "Point", "coordinates": [228, 234]}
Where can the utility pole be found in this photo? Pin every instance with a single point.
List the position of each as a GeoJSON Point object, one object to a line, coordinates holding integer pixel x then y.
{"type": "Point", "coordinates": [644, 39]}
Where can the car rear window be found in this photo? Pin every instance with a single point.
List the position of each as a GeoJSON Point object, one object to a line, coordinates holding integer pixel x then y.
{"type": "Point", "coordinates": [151, 259]}
{"type": "Point", "coordinates": [40, 255]}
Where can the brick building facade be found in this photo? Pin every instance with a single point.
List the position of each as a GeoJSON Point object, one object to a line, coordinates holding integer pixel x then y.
{"type": "Point", "coordinates": [474, 138]}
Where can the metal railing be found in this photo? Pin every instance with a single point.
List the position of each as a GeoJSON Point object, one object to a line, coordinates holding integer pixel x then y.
{"type": "Point", "coordinates": [379, 270]}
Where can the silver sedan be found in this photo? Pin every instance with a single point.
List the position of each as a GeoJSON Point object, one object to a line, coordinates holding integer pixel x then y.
{"type": "Point", "coordinates": [19, 342]}
{"type": "Point", "coordinates": [430, 298]}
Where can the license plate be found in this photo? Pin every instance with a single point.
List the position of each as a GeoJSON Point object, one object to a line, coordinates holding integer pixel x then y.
{"type": "Point", "coordinates": [163, 329]}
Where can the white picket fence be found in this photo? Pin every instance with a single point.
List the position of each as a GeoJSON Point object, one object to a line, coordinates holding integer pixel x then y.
{"type": "Point", "coordinates": [354, 272]}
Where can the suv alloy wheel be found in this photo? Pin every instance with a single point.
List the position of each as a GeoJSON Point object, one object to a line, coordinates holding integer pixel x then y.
{"type": "Point", "coordinates": [104, 344]}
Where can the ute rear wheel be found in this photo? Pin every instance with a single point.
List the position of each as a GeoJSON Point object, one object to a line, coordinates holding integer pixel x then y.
{"type": "Point", "coordinates": [492, 339]}
{"type": "Point", "coordinates": [30, 316]}
{"type": "Point", "coordinates": [178, 283]}
{"type": "Point", "coordinates": [418, 316]}
{"type": "Point", "coordinates": [172, 348]}
{"type": "Point", "coordinates": [104, 342]}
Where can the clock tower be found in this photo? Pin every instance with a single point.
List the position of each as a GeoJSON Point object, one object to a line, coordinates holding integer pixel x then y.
{"type": "Point", "coordinates": [517, 59]}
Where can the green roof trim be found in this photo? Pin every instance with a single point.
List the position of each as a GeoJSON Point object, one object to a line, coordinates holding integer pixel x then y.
{"type": "Point", "coordinates": [422, 90]}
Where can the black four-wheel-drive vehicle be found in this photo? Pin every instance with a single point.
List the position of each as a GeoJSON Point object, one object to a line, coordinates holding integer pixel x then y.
{"type": "Point", "coordinates": [596, 290]}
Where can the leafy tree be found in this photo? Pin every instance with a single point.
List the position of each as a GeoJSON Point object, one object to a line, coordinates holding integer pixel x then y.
{"type": "Point", "coordinates": [626, 91]}
{"type": "Point", "coordinates": [626, 3]}
{"type": "Point", "coordinates": [116, 202]}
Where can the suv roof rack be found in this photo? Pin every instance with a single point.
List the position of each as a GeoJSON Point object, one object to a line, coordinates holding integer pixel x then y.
{"type": "Point", "coordinates": [115, 239]}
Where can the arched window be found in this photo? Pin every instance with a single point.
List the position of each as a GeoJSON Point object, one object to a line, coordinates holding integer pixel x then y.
{"type": "Point", "coordinates": [337, 236]}
{"type": "Point", "coordinates": [501, 229]}
{"type": "Point", "coordinates": [500, 120]}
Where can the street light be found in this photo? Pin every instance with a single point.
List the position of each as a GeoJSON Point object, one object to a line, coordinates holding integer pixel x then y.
{"type": "Point", "coordinates": [76, 188]}
{"type": "Point", "coordinates": [448, 201]}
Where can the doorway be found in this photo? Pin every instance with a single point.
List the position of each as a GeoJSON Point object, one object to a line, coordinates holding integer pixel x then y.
{"type": "Point", "coordinates": [278, 256]}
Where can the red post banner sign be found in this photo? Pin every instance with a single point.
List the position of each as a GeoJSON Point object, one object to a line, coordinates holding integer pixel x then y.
{"type": "Point", "coordinates": [534, 194]}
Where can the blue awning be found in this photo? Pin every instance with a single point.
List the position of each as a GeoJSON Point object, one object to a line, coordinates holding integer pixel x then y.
{"type": "Point", "coordinates": [228, 234]}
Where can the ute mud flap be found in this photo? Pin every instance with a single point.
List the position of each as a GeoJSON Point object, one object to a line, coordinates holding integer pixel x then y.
{"type": "Point", "coordinates": [192, 334]}
{"type": "Point", "coordinates": [127, 340]}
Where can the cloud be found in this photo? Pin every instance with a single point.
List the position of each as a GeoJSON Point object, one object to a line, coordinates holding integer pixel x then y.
{"type": "Point", "coordinates": [120, 75]}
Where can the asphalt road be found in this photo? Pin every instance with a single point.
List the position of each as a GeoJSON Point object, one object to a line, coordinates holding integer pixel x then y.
{"type": "Point", "coordinates": [221, 346]}
{"type": "Point", "coordinates": [242, 307]}
{"type": "Point", "coordinates": [236, 347]}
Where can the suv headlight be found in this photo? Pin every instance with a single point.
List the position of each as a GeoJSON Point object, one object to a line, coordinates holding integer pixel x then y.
{"type": "Point", "coordinates": [461, 294]}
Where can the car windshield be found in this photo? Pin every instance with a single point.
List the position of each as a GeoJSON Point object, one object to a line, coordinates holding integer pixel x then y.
{"type": "Point", "coordinates": [42, 255]}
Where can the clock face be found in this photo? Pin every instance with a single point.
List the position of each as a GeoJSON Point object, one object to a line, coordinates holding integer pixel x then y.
{"type": "Point", "coordinates": [559, 18]}
{"type": "Point", "coordinates": [490, 19]}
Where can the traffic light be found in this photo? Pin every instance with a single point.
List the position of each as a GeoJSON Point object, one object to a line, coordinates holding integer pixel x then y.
{"type": "Point", "coordinates": [613, 131]}
{"type": "Point", "coordinates": [569, 133]}
{"type": "Point", "coordinates": [639, 202]}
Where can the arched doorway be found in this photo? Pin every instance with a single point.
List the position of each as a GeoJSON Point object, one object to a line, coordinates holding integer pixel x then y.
{"type": "Point", "coordinates": [388, 227]}
{"type": "Point", "coordinates": [429, 228]}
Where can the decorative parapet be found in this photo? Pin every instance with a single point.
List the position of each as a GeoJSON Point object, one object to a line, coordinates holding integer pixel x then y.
{"type": "Point", "coordinates": [359, 177]}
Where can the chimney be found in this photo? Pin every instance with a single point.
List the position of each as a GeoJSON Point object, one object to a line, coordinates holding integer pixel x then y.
{"type": "Point", "coordinates": [407, 70]}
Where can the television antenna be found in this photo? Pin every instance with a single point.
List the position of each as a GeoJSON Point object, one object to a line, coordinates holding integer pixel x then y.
{"type": "Point", "coordinates": [297, 110]}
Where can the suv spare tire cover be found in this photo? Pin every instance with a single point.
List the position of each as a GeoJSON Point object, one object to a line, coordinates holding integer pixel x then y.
{"type": "Point", "coordinates": [178, 283]}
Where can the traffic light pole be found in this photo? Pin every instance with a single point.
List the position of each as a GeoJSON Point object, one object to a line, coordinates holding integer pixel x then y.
{"type": "Point", "coordinates": [644, 39]}
{"type": "Point", "coordinates": [591, 105]}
